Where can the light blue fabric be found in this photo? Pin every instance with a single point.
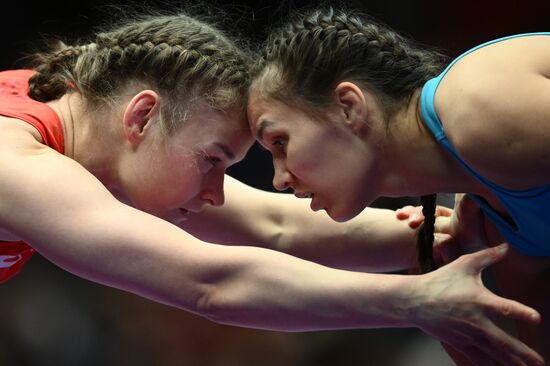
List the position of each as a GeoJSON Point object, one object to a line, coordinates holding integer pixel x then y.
{"type": "Point", "coordinates": [529, 209]}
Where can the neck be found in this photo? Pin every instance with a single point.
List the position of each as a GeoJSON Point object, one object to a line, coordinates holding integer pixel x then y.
{"type": "Point", "coordinates": [88, 145]}
{"type": "Point", "coordinates": [416, 162]}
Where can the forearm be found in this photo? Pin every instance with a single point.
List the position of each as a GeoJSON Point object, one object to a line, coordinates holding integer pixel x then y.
{"type": "Point", "coordinates": [239, 285]}
{"type": "Point", "coordinates": [373, 241]}
{"type": "Point", "coordinates": [270, 290]}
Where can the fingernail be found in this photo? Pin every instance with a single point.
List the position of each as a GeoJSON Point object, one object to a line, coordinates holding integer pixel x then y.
{"type": "Point", "coordinates": [502, 247]}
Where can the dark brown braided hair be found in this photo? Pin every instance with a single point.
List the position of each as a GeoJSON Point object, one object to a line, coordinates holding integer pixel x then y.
{"type": "Point", "coordinates": [425, 234]}
{"type": "Point", "coordinates": [307, 58]}
{"type": "Point", "coordinates": [303, 61]}
{"type": "Point", "coordinates": [176, 55]}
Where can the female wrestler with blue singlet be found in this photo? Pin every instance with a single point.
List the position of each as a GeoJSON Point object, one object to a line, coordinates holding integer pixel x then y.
{"type": "Point", "coordinates": [526, 207]}
{"type": "Point", "coordinates": [350, 111]}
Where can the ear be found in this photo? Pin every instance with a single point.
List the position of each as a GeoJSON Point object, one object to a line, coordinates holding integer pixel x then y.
{"type": "Point", "coordinates": [139, 114]}
{"type": "Point", "coordinates": [352, 104]}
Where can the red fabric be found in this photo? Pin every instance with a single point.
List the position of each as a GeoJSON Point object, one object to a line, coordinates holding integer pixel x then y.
{"type": "Point", "coordinates": [13, 255]}
{"type": "Point", "coordinates": [15, 103]}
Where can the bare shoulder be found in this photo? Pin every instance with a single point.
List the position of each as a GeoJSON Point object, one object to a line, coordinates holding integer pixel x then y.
{"type": "Point", "coordinates": [16, 132]}
{"type": "Point", "coordinates": [38, 178]}
{"type": "Point", "coordinates": [494, 104]}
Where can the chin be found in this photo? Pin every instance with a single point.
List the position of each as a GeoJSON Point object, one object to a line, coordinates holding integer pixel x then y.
{"type": "Point", "coordinates": [343, 214]}
{"type": "Point", "coordinates": [339, 216]}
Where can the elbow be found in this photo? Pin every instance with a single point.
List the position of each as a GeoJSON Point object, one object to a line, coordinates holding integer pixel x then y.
{"type": "Point", "coordinates": [281, 237]}
{"type": "Point", "coordinates": [210, 304]}
{"type": "Point", "coordinates": [230, 304]}
{"type": "Point", "coordinates": [204, 304]}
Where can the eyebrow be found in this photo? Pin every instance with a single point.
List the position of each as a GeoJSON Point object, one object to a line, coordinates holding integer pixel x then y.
{"type": "Point", "coordinates": [226, 150]}
{"type": "Point", "coordinates": [262, 126]}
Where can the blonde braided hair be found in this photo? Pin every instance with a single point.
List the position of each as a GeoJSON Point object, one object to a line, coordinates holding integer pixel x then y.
{"type": "Point", "coordinates": [176, 55]}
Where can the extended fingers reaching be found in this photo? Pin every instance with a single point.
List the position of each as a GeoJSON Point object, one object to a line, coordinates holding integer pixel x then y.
{"type": "Point", "coordinates": [460, 311]}
{"type": "Point", "coordinates": [504, 307]}
{"type": "Point", "coordinates": [507, 350]}
{"type": "Point", "coordinates": [513, 310]}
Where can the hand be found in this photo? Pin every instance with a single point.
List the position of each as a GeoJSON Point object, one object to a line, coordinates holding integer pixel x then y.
{"type": "Point", "coordinates": [453, 305]}
{"type": "Point", "coordinates": [445, 250]}
{"type": "Point", "coordinates": [415, 217]}
{"type": "Point", "coordinates": [466, 226]}
{"type": "Point", "coordinates": [457, 231]}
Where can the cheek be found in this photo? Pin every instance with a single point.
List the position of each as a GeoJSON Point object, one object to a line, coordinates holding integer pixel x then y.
{"type": "Point", "coordinates": [191, 176]}
{"type": "Point", "coordinates": [304, 157]}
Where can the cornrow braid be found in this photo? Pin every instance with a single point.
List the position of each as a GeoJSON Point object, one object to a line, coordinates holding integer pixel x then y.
{"type": "Point", "coordinates": [425, 234]}
{"type": "Point", "coordinates": [307, 58]}
{"type": "Point", "coordinates": [176, 55]}
{"type": "Point", "coordinates": [53, 73]}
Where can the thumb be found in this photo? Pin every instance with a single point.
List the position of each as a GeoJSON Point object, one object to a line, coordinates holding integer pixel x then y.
{"type": "Point", "coordinates": [487, 257]}
{"type": "Point", "coordinates": [467, 208]}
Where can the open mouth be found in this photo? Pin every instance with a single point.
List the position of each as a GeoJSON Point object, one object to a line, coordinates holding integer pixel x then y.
{"type": "Point", "coordinates": [304, 195]}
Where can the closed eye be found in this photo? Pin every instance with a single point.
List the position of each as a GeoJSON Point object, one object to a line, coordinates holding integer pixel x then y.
{"type": "Point", "coordinates": [278, 144]}
{"type": "Point", "coordinates": [213, 160]}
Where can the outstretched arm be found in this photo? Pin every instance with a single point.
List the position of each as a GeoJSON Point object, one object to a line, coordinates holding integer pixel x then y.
{"type": "Point", "coordinates": [374, 241]}
{"type": "Point", "coordinates": [79, 226]}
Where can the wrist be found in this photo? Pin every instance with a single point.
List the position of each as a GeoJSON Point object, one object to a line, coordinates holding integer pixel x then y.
{"type": "Point", "coordinates": [403, 299]}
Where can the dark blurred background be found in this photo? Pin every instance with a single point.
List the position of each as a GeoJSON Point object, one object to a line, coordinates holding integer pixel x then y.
{"type": "Point", "coordinates": [50, 317]}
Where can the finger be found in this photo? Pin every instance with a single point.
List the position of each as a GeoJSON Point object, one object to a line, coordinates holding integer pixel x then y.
{"type": "Point", "coordinates": [513, 310]}
{"type": "Point", "coordinates": [470, 214]}
{"type": "Point", "coordinates": [467, 205]}
{"type": "Point", "coordinates": [510, 351]}
{"type": "Point", "coordinates": [404, 212]}
{"type": "Point", "coordinates": [443, 225]}
{"type": "Point", "coordinates": [486, 257]}
{"type": "Point", "coordinates": [415, 220]}
{"type": "Point", "coordinates": [443, 211]}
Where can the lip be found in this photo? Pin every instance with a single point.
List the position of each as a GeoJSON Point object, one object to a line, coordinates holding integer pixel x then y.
{"type": "Point", "coordinates": [315, 205]}
{"type": "Point", "coordinates": [185, 211]}
{"type": "Point", "coordinates": [188, 211]}
{"type": "Point", "coordinates": [303, 194]}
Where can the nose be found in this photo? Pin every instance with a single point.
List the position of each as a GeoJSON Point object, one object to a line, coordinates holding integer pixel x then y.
{"type": "Point", "coordinates": [213, 191]}
{"type": "Point", "coordinates": [282, 178]}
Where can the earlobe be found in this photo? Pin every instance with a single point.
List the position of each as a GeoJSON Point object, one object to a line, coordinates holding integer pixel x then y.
{"type": "Point", "coordinates": [139, 114]}
{"type": "Point", "coordinates": [351, 100]}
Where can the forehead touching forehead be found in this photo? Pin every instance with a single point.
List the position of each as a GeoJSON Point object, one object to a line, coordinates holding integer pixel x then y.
{"type": "Point", "coordinates": [227, 129]}
{"type": "Point", "coordinates": [263, 94]}
{"type": "Point", "coordinates": [267, 83]}
{"type": "Point", "coordinates": [272, 88]}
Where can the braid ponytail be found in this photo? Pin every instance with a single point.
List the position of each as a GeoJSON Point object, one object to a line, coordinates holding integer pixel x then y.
{"type": "Point", "coordinates": [425, 234]}
{"type": "Point", "coordinates": [53, 76]}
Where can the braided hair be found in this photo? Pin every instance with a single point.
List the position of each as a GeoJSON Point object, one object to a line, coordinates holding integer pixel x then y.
{"type": "Point", "coordinates": [308, 57]}
{"type": "Point", "coordinates": [425, 235]}
{"type": "Point", "coordinates": [176, 55]}
{"type": "Point", "coordinates": [303, 61]}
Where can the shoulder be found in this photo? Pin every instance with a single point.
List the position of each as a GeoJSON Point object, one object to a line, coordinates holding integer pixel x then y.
{"type": "Point", "coordinates": [15, 131]}
{"type": "Point", "coordinates": [494, 104]}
